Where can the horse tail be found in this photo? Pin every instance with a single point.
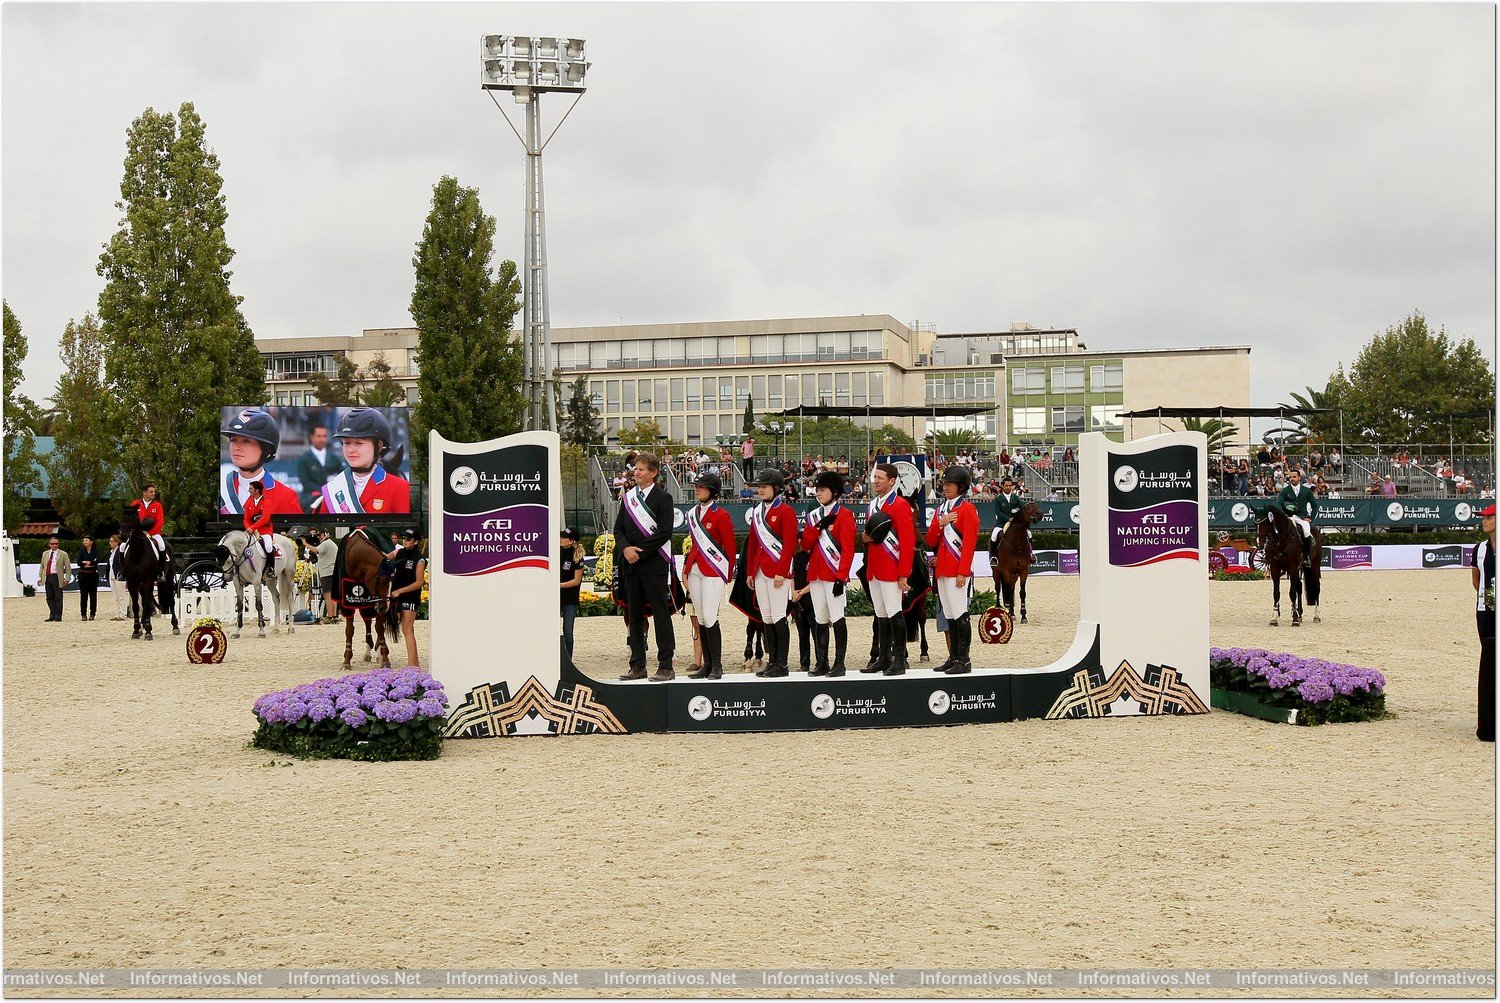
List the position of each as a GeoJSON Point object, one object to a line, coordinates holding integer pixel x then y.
{"type": "Point", "coordinates": [1313, 580]}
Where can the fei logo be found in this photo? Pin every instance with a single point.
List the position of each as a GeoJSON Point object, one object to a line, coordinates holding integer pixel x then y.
{"type": "Point", "coordinates": [1126, 478]}
{"type": "Point", "coordinates": [1394, 511]}
{"type": "Point", "coordinates": [700, 708]}
{"type": "Point", "coordinates": [464, 481]}
{"type": "Point", "coordinates": [939, 703]}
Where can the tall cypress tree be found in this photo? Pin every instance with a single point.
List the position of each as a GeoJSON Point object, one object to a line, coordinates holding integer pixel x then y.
{"type": "Point", "coordinates": [82, 467]}
{"type": "Point", "coordinates": [21, 472]}
{"type": "Point", "coordinates": [471, 363]}
{"type": "Point", "coordinates": [177, 347]}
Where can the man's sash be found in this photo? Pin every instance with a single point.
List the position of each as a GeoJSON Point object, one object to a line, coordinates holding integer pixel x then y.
{"type": "Point", "coordinates": [635, 507]}
{"type": "Point", "coordinates": [892, 541]}
{"type": "Point", "coordinates": [952, 538]}
{"type": "Point", "coordinates": [705, 545]}
{"type": "Point", "coordinates": [827, 545]}
{"type": "Point", "coordinates": [758, 525]}
{"type": "Point", "coordinates": [338, 495]}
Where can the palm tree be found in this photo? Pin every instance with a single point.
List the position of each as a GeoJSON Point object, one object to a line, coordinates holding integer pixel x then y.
{"type": "Point", "coordinates": [1220, 433]}
{"type": "Point", "coordinates": [1321, 427]}
{"type": "Point", "coordinates": [955, 439]}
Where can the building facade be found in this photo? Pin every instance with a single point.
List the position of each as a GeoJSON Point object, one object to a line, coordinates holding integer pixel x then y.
{"type": "Point", "coordinates": [695, 380]}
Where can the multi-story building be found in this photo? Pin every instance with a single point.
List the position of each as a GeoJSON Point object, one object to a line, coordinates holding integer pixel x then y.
{"type": "Point", "coordinates": [695, 380]}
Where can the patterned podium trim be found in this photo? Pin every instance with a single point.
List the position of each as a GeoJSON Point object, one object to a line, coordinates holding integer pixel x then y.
{"type": "Point", "coordinates": [489, 711]}
{"type": "Point", "coordinates": [1161, 692]}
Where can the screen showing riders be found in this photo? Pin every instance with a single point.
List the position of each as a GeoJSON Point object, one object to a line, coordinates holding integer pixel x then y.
{"type": "Point", "coordinates": [366, 486]}
{"type": "Point", "coordinates": [828, 537]}
{"type": "Point", "coordinates": [710, 568]}
{"type": "Point", "coordinates": [954, 533]}
{"type": "Point", "coordinates": [769, 548]}
{"type": "Point", "coordinates": [890, 536]}
{"type": "Point", "coordinates": [1300, 502]}
{"type": "Point", "coordinates": [254, 437]}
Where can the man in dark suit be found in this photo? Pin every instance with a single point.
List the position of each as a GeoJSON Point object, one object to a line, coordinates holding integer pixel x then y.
{"type": "Point", "coordinates": [56, 571]}
{"type": "Point", "coordinates": [317, 465]}
{"type": "Point", "coordinates": [643, 527]}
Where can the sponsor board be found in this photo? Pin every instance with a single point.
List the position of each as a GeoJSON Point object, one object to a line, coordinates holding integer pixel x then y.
{"type": "Point", "coordinates": [1451, 556]}
{"type": "Point", "coordinates": [495, 508]}
{"type": "Point", "coordinates": [1337, 558]}
{"type": "Point", "coordinates": [1153, 507]}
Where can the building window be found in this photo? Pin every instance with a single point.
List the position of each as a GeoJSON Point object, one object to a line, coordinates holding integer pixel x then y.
{"type": "Point", "coordinates": [612, 398]}
{"type": "Point", "coordinates": [841, 389]}
{"type": "Point", "coordinates": [758, 390]}
{"type": "Point", "coordinates": [679, 429]}
{"type": "Point", "coordinates": [1106, 417]}
{"type": "Point", "coordinates": [793, 391]}
{"type": "Point", "coordinates": [741, 390]}
{"type": "Point", "coordinates": [1109, 376]}
{"type": "Point", "coordinates": [694, 392]}
{"type": "Point", "coordinates": [659, 399]}
{"type": "Point", "coordinates": [1028, 381]}
{"type": "Point", "coordinates": [1028, 420]}
{"type": "Point", "coordinates": [726, 391]}
{"type": "Point", "coordinates": [1067, 379]}
{"type": "Point", "coordinates": [1068, 419]}
{"type": "Point", "coordinates": [726, 350]}
{"type": "Point", "coordinates": [694, 429]}
{"type": "Point", "coordinates": [281, 399]}
{"type": "Point", "coordinates": [628, 404]}
{"type": "Point", "coordinates": [877, 388]}
{"type": "Point", "coordinates": [773, 393]}
{"type": "Point", "coordinates": [710, 427]}
{"type": "Point", "coordinates": [861, 381]}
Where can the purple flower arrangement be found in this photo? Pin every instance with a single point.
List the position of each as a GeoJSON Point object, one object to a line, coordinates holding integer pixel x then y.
{"type": "Point", "coordinates": [1321, 691]}
{"type": "Point", "coordinates": [379, 715]}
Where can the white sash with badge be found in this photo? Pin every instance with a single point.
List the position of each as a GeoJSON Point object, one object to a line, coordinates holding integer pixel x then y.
{"type": "Point", "coordinates": [339, 495]}
{"type": "Point", "coordinates": [705, 545]}
{"type": "Point", "coordinates": [892, 542]}
{"type": "Point", "coordinates": [635, 507]}
{"type": "Point", "coordinates": [758, 525]}
{"type": "Point", "coordinates": [951, 536]}
{"type": "Point", "coordinates": [827, 545]}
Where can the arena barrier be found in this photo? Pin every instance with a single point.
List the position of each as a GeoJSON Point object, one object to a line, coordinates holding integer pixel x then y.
{"type": "Point", "coordinates": [1140, 647]}
{"type": "Point", "coordinates": [220, 603]}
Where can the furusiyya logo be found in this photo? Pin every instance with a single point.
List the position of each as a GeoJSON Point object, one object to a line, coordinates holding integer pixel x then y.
{"type": "Point", "coordinates": [825, 706]}
{"type": "Point", "coordinates": [1394, 511]}
{"type": "Point", "coordinates": [1152, 479]}
{"type": "Point", "coordinates": [701, 708]}
{"type": "Point", "coordinates": [464, 481]}
{"type": "Point", "coordinates": [1126, 478]}
{"type": "Point", "coordinates": [941, 702]}
{"type": "Point", "coordinates": [1240, 512]}
{"type": "Point", "coordinates": [1463, 511]}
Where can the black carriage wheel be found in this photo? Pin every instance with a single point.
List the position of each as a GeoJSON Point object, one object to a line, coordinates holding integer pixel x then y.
{"type": "Point", "coordinates": [1257, 557]}
{"type": "Point", "coordinates": [201, 576]}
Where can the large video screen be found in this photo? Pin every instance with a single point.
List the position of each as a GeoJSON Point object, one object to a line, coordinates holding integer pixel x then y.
{"type": "Point", "coordinates": [316, 460]}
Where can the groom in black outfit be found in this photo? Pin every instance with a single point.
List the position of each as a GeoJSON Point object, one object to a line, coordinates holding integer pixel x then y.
{"type": "Point", "coordinates": [644, 571]}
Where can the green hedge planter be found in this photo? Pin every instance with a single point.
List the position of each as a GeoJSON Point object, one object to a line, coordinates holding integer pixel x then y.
{"type": "Point", "coordinates": [1251, 706]}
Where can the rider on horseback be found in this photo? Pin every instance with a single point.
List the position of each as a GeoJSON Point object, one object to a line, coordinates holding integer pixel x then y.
{"type": "Point", "coordinates": [258, 525]}
{"type": "Point", "coordinates": [1299, 502]}
{"type": "Point", "coordinates": [254, 437]}
{"type": "Point", "coordinates": [153, 518]}
{"type": "Point", "coordinates": [1008, 505]}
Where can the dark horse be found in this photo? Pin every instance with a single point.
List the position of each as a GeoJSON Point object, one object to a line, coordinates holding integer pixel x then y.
{"type": "Point", "coordinates": [1281, 554]}
{"type": "Point", "coordinates": [149, 580]}
{"type": "Point", "coordinates": [362, 563]}
{"type": "Point", "coordinates": [1010, 556]}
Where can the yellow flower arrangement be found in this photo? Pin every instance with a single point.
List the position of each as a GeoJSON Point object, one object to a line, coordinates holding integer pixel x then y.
{"type": "Point", "coordinates": [604, 568]}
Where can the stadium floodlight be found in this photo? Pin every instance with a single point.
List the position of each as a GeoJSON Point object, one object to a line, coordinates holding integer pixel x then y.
{"type": "Point", "coordinates": [529, 66]}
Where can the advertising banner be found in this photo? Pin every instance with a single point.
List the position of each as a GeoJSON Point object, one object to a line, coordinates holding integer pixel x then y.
{"type": "Point", "coordinates": [316, 460]}
{"type": "Point", "coordinates": [1153, 507]}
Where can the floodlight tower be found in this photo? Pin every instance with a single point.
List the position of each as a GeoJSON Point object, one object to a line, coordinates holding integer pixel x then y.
{"type": "Point", "coordinates": [529, 66]}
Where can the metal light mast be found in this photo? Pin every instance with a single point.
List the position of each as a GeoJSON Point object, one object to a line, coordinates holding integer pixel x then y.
{"type": "Point", "coordinates": [529, 66]}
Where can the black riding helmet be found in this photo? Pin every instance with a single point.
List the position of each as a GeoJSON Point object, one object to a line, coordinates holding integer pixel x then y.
{"type": "Point", "coordinates": [958, 475]}
{"type": "Point", "coordinates": [831, 480]}
{"type": "Point", "coordinates": [256, 423]}
{"type": "Point", "coordinates": [712, 481]}
{"type": "Point", "coordinates": [772, 477]}
{"type": "Point", "coordinates": [879, 526]}
{"type": "Point", "coordinates": [364, 423]}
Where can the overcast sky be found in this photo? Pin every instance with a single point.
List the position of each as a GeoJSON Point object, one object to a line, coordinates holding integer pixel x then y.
{"type": "Point", "coordinates": [1291, 177]}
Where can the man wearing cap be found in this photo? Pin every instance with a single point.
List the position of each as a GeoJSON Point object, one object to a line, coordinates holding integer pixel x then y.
{"type": "Point", "coordinates": [954, 533]}
{"type": "Point", "coordinates": [254, 437]}
{"type": "Point", "coordinates": [366, 487]}
{"type": "Point", "coordinates": [1299, 501]}
{"type": "Point", "coordinates": [1484, 585]}
{"type": "Point", "coordinates": [769, 548]}
{"type": "Point", "coordinates": [709, 568]}
{"type": "Point", "coordinates": [643, 552]}
{"type": "Point", "coordinates": [406, 587]}
{"type": "Point", "coordinates": [828, 537]}
{"type": "Point", "coordinates": [892, 542]}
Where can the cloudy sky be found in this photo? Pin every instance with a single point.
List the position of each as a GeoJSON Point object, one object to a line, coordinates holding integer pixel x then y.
{"type": "Point", "coordinates": [1287, 176]}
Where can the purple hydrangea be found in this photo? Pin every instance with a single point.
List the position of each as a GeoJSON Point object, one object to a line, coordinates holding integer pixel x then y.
{"type": "Point", "coordinates": [429, 707]}
{"type": "Point", "coordinates": [396, 695]}
{"type": "Point", "coordinates": [354, 717]}
{"type": "Point", "coordinates": [1316, 680]}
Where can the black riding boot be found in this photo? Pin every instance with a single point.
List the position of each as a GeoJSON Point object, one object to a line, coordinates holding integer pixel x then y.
{"type": "Point", "coordinates": [701, 672]}
{"type": "Point", "coordinates": [961, 642]}
{"type": "Point", "coordinates": [840, 646]}
{"type": "Point", "coordinates": [952, 646]}
{"type": "Point", "coordinates": [820, 643]}
{"type": "Point", "coordinates": [713, 652]}
{"type": "Point", "coordinates": [882, 659]}
{"type": "Point", "coordinates": [782, 630]}
{"type": "Point", "coordinates": [768, 637]}
{"type": "Point", "coordinates": [1307, 553]}
{"type": "Point", "coordinates": [897, 631]}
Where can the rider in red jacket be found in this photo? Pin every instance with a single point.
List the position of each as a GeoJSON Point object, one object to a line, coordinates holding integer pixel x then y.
{"type": "Point", "coordinates": [708, 569]}
{"type": "Point", "coordinates": [828, 536]}
{"type": "Point", "coordinates": [769, 549]}
{"type": "Point", "coordinates": [886, 572]}
{"type": "Point", "coordinates": [153, 519]}
{"type": "Point", "coordinates": [954, 532]}
{"type": "Point", "coordinates": [258, 524]}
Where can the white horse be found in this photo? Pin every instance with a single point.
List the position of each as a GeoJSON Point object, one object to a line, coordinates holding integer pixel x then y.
{"type": "Point", "coordinates": [244, 563]}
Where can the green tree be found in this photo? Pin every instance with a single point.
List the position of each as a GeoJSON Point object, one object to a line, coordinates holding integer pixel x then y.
{"type": "Point", "coordinates": [83, 466]}
{"type": "Point", "coordinates": [176, 346]}
{"type": "Point", "coordinates": [384, 390]}
{"type": "Point", "coordinates": [342, 388]}
{"type": "Point", "coordinates": [748, 425]}
{"type": "Point", "coordinates": [951, 440]}
{"type": "Point", "coordinates": [890, 438]}
{"type": "Point", "coordinates": [472, 367]}
{"type": "Point", "coordinates": [1317, 427]}
{"type": "Point", "coordinates": [1408, 379]}
{"type": "Point", "coordinates": [645, 432]}
{"type": "Point", "coordinates": [581, 421]}
{"type": "Point", "coordinates": [1220, 433]}
{"type": "Point", "coordinates": [21, 468]}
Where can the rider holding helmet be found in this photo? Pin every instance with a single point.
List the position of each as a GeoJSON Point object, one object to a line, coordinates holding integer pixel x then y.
{"type": "Point", "coordinates": [709, 569]}
{"type": "Point", "coordinates": [365, 486]}
{"type": "Point", "coordinates": [254, 437]}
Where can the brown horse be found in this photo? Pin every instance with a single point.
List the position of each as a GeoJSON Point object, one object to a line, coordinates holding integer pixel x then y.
{"type": "Point", "coordinates": [362, 563]}
{"type": "Point", "coordinates": [1281, 554]}
{"type": "Point", "coordinates": [1010, 557]}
